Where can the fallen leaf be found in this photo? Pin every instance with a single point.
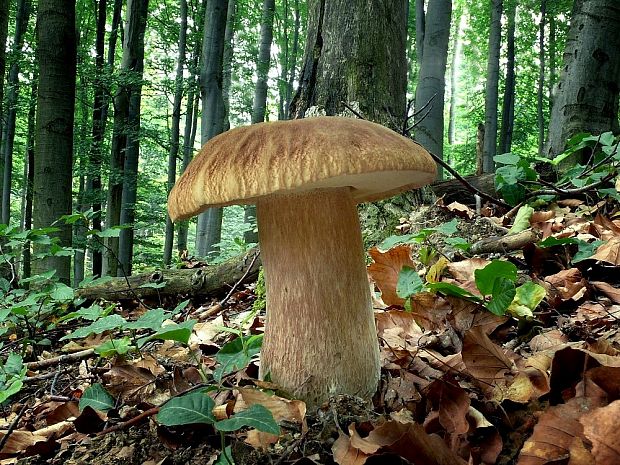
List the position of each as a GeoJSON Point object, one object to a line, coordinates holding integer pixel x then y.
{"type": "Point", "coordinates": [610, 291]}
{"type": "Point", "coordinates": [601, 428]}
{"type": "Point", "coordinates": [386, 268]}
{"type": "Point", "coordinates": [609, 252]}
{"type": "Point", "coordinates": [281, 409]}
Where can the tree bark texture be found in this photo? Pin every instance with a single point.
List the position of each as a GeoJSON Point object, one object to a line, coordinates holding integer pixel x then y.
{"type": "Point", "coordinates": [420, 28]}
{"type": "Point", "coordinates": [491, 92]}
{"type": "Point", "coordinates": [508, 103]}
{"type": "Point", "coordinates": [190, 282]}
{"type": "Point", "coordinates": [209, 229]}
{"type": "Point", "coordinates": [175, 127]}
{"type": "Point", "coordinates": [430, 91]}
{"type": "Point", "coordinates": [29, 169]}
{"type": "Point", "coordinates": [21, 23]}
{"type": "Point", "coordinates": [355, 53]}
{"type": "Point", "coordinates": [587, 92]}
{"type": "Point", "coordinates": [54, 126]}
{"type": "Point", "coordinates": [229, 43]}
{"type": "Point", "coordinates": [540, 100]}
{"type": "Point", "coordinates": [454, 65]}
{"type": "Point", "coordinates": [4, 27]}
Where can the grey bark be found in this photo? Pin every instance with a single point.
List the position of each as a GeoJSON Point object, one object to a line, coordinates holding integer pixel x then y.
{"type": "Point", "coordinates": [540, 115]}
{"type": "Point", "coordinates": [259, 105]}
{"type": "Point", "coordinates": [29, 178]}
{"type": "Point", "coordinates": [209, 229]}
{"type": "Point", "coordinates": [420, 28]}
{"type": "Point", "coordinates": [175, 127]}
{"type": "Point", "coordinates": [508, 103]}
{"type": "Point", "coordinates": [552, 61]}
{"type": "Point", "coordinates": [456, 52]}
{"type": "Point", "coordinates": [134, 41]}
{"type": "Point", "coordinates": [4, 25]}
{"type": "Point", "coordinates": [229, 42]}
{"type": "Point", "coordinates": [21, 23]}
{"type": "Point", "coordinates": [491, 92]}
{"type": "Point", "coordinates": [587, 92]}
{"type": "Point", "coordinates": [288, 59]}
{"type": "Point", "coordinates": [431, 82]}
{"type": "Point", "coordinates": [54, 126]}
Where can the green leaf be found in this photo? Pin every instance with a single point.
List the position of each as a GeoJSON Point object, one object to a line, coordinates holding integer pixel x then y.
{"type": "Point", "coordinates": [180, 307]}
{"type": "Point", "coordinates": [409, 283]}
{"type": "Point", "coordinates": [192, 408]}
{"type": "Point", "coordinates": [236, 355]}
{"type": "Point", "coordinates": [451, 289]}
{"type": "Point", "coordinates": [39, 277]}
{"type": "Point", "coordinates": [61, 292]}
{"type": "Point", "coordinates": [526, 299]}
{"type": "Point", "coordinates": [97, 398]}
{"type": "Point", "coordinates": [115, 347]}
{"type": "Point", "coordinates": [104, 324]}
{"type": "Point", "coordinates": [502, 295]}
{"type": "Point", "coordinates": [152, 319]}
{"type": "Point", "coordinates": [448, 228]}
{"type": "Point", "coordinates": [522, 220]}
{"type": "Point", "coordinates": [225, 458]}
{"type": "Point", "coordinates": [507, 158]}
{"type": "Point", "coordinates": [153, 285]}
{"type": "Point", "coordinates": [12, 387]}
{"type": "Point", "coordinates": [553, 241]}
{"type": "Point", "coordinates": [485, 278]}
{"type": "Point", "coordinates": [458, 243]}
{"type": "Point", "coordinates": [179, 332]}
{"type": "Point", "coordinates": [256, 416]}
{"type": "Point", "coordinates": [586, 250]}
{"type": "Point", "coordinates": [393, 241]}
{"type": "Point", "coordinates": [110, 232]}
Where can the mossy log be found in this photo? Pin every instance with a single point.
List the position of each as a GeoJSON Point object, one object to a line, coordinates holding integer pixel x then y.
{"type": "Point", "coordinates": [454, 191]}
{"type": "Point", "coordinates": [187, 282]}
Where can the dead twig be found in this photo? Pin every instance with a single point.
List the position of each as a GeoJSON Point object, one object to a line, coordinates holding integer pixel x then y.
{"type": "Point", "coordinates": [74, 357]}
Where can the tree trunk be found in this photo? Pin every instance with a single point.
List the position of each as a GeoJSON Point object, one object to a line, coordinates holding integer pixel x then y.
{"type": "Point", "coordinates": [508, 104]}
{"type": "Point", "coordinates": [491, 94]}
{"type": "Point", "coordinates": [54, 127]}
{"type": "Point", "coordinates": [175, 129]}
{"type": "Point", "coordinates": [229, 36]}
{"type": "Point", "coordinates": [420, 28]}
{"type": "Point", "coordinates": [456, 59]}
{"type": "Point", "coordinates": [292, 61]}
{"type": "Point", "coordinates": [587, 93]}
{"type": "Point", "coordinates": [429, 129]}
{"type": "Point", "coordinates": [540, 111]}
{"type": "Point", "coordinates": [259, 104]}
{"type": "Point", "coordinates": [209, 229]}
{"type": "Point", "coordinates": [4, 26]}
{"type": "Point", "coordinates": [21, 23]}
{"type": "Point", "coordinates": [552, 52]}
{"type": "Point", "coordinates": [29, 178]}
{"type": "Point", "coordinates": [134, 48]}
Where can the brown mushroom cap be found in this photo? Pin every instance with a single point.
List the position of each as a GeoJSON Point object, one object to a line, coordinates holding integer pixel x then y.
{"type": "Point", "coordinates": [245, 163]}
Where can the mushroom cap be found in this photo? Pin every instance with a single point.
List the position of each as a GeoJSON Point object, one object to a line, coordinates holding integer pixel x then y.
{"type": "Point", "coordinates": [241, 165]}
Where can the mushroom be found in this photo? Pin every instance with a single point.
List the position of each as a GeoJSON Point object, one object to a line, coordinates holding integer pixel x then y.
{"type": "Point", "coordinates": [306, 177]}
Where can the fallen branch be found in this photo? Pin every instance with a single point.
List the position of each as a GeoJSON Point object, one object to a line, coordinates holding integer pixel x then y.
{"type": "Point", "coordinates": [505, 243]}
{"type": "Point", "coordinates": [66, 358]}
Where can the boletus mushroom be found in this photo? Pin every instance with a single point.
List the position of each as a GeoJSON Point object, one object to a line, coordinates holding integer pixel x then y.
{"type": "Point", "coordinates": [306, 177]}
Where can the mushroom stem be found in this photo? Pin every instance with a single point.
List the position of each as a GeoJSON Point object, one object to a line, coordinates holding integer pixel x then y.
{"type": "Point", "coordinates": [320, 336]}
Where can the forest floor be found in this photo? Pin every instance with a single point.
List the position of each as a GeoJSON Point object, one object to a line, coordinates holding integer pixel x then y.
{"type": "Point", "coordinates": [536, 382]}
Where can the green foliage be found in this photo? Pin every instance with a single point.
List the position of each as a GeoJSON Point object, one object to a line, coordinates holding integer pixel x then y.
{"type": "Point", "coordinates": [12, 373]}
{"type": "Point", "coordinates": [97, 398]}
{"type": "Point", "coordinates": [237, 354]}
{"type": "Point", "coordinates": [261, 292]}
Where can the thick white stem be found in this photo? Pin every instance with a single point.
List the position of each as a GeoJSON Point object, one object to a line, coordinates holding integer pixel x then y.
{"type": "Point", "coordinates": [320, 336]}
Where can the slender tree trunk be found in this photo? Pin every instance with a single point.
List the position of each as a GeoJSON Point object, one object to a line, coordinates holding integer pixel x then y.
{"type": "Point", "coordinates": [456, 59]}
{"type": "Point", "coordinates": [429, 131]}
{"type": "Point", "coordinates": [209, 229]}
{"type": "Point", "coordinates": [292, 60]}
{"type": "Point", "coordinates": [491, 94]}
{"type": "Point", "coordinates": [420, 28]}
{"type": "Point", "coordinates": [229, 36]}
{"type": "Point", "coordinates": [4, 25]}
{"type": "Point", "coordinates": [540, 110]}
{"type": "Point", "coordinates": [175, 129]}
{"type": "Point", "coordinates": [552, 52]}
{"type": "Point", "coordinates": [21, 23]}
{"type": "Point", "coordinates": [56, 54]}
{"type": "Point", "coordinates": [508, 104]}
{"type": "Point", "coordinates": [587, 97]}
{"type": "Point", "coordinates": [259, 105]}
{"type": "Point", "coordinates": [29, 178]}
{"type": "Point", "coordinates": [284, 57]}
{"type": "Point", "coordinates": [93, 183]}
{"type": "Point", "coordinates": [134, 41]}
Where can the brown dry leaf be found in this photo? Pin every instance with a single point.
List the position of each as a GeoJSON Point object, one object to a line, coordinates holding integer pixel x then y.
{"type": "Point", "coordinates": [607, 227]}
{"type": "Point", "coordinates": [610, 291]}
{"type": "Point", "coordinates": [596, 314]}
{"type": "Point", "coordinates": [397, 328]}
{"type": "Point", "coordinates": [608, 252]}
{"type": "Point", "coordinates": [345, 454]}
{"type": "Point", "coordinates": [386, 268]}
{"type": "Point", "coordinates": [554, 436]}
{"type": "Point", "coordinates": [460, 210]}
{"type": "Point", "coordinates": [205, 333]}
{"type": "Point", "coordinates": [601, 428]}
{"type": "Point", "coordinates": [607, 379]}
{"type": "Point", "coordinates": [453, 403]}
{"type": "Point", "coordinates": [401, 391]}
{"type": "Point", "coordinates": [548, 340]}
{"type": "Point", "coordinates": [467, 315]}
{"type": "Point", "coordinates": [485, 360]}
{"type": "Point", "coordinates": [541, 216]}
{"type": "Point", "coordinates": [281, 409]}
{"type": "Point", "coordinates": [430, 310]}
{"type": "Point", "coordinates": [132, 383]}
{"type": "Point", "coordinates": [463, 271]}
{"type": "Point", "coordinates": [260, 440]}
{"type": "Point", "coordinates": [20, 440]}
{"type": "Point", "coordinates": [567, 285]}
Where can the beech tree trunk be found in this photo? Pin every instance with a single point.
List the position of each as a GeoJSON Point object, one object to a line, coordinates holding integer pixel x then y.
{"type": "Point", "coordinates": [420, 28]}
{"type": "Point", "coordinates": [587, 92]}
{"type": "Point", "coordinates": [21, 23]}
{"type": "Point", "coordinates": [209, 228]}
{"type": "Point", "coordinates": [508, 104]}
{"type": "Point", "coordinates": [54, 127]}
{"type": "Point", "coordinates": [288, 59]}
{"type": "Point", "coordinates": [429, 129]}
{"type": "Point", "coordinates": [29, 171]}
{"type": "Point", "coordinates": [491, 94]}
{"type": "Point", "coordinates": [175, 129]}
{"type": "Point", "coordinates": [4, 26]}
{"type": "Point", "coordinates": [229, 42]}
{"type": "Point", "coordinates": [540, 111]}
{"type": "Point", "coordinates": [454, 65]}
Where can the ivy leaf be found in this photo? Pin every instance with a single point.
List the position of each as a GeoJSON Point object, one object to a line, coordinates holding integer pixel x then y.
{"type": "Point", "coordinates": [256, 416]}
{"type": "Point", "coordinates": [409, 283]}
{"type": "Point", "coordinates": [97, 398]}
{"type": "Point", "coordinates": [192, 408]}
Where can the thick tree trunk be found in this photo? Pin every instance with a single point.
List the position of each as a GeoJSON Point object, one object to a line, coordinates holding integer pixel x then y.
{"type": "Point", "coordinates": [540, 110]}
{"type": "Point", "coordinates": [21, 23]}
{"type": "Point", "coordinates": [229, 38]}
{"type": "Point", "coordinates": [429, 129]}
{"type": "Point", "coordinates": [508, 104]}
{"type": "Point", "coordinates": [454, 65]}
{"type": "Point", "coordinates": [209, 229]}
{"type": "Point", "coordinates": [587, 93]}
{"type": "Point", "coordinates": [175, 129]}
{"type": "Point", "coordinates": [54, 127]}
{"type": "Point", "coordinates": [491, 93]}
{"type": "Point", "coordinates": [259, 104]}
